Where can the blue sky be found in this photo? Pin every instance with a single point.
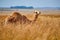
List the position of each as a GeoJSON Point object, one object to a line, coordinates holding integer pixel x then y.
{"type": "Point", "coordinates": [34, 3]}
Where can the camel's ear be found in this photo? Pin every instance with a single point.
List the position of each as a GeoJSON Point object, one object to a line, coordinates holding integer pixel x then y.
{"type": "Point", "coordinates": [39, 12]}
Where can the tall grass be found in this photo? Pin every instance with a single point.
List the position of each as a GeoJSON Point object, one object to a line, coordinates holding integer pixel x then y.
{"type": "Point", "coordinates": [45, 28]}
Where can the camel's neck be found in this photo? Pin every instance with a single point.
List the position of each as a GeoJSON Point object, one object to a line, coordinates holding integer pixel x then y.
{"type": "Point", "coordinates": [36, 16]}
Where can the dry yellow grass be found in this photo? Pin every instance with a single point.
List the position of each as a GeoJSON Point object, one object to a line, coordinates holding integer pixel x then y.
{"type": "Point", "coordinates": [46, 27]}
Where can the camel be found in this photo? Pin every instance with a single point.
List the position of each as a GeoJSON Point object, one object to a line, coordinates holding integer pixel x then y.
{"type": "Point", "coordinates": [17, 17]}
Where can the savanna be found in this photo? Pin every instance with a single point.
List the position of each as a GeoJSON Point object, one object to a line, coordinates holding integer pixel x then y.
{"type": "Point", "coordinates": [29, 26]}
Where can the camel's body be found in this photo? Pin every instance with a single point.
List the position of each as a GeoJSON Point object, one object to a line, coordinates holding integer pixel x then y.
{"type": "Point", "coordinates": [17, 17]}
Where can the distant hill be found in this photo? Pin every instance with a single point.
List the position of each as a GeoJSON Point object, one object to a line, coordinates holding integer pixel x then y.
{"type": "Point", "coordinates": [22, 7]}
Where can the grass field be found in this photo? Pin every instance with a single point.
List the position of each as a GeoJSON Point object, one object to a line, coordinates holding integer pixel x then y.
{"type": "Point", "coordinates": [47, 27]}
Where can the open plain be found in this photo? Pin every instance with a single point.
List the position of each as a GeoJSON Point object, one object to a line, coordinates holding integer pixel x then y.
{"type": "Point", "coordinates": [46, 26]}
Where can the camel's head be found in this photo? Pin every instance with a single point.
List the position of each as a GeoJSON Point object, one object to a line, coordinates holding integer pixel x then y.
{"type": "Point", "coordinates": [37, 12]}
